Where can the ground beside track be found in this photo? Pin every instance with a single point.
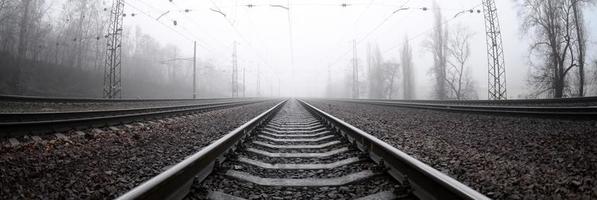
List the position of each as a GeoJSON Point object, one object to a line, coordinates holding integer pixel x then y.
{"type": "Point", "coordinates": [98, 166]}
{"type": "Point", "coordinates": [502, 157]}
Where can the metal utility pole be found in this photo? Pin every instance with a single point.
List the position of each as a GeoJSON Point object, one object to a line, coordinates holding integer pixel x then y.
{"type": "Point", "coordinates": [329, 85]}
{"type": "Point", "coordinates": [194, 69]}
{"type": "Point", "coordinates": [258, 82]}
{"type": "Point", "coordinates": [495, 52]}
{"type": "Point", "coordinates": [244, 88]}
{"type": "Point", "coordinates": [234, 71]}
{"type": "Point", "coordinates": [171, 67]}
{"type": "Point", "coordinates": [113, 61]}
{"type": "Point", "coordinates": [355, 71]}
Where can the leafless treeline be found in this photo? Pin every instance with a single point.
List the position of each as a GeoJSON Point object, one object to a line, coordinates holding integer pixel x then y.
{"type": "Point", "coordinates": [558, 56]}
{"type": "Point", "coordinates": [450, 48]}
{"type": "Point", "coordinates": [558, 47]}
{"type": "Point", "coordinates": [57, 47]}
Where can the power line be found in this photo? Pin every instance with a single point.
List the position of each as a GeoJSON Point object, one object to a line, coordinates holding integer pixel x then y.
{"type": "Point", "coordinates": [148, 15]}
{"type": "Point", "coordinates": [346, 53]}
{"type": "Point", "coordinates": [197, 24]}
{"type": "Point", "coordinates": [243, 38]}
{"type": "Point", "coordinates": [354, 24]}
{"type": "Point", "coordinates": [192, 37]}
{"type": "Point", "coordinates": [375, 29]}
{"type": "Point", "coordinates": [355, 21]}
{"type": "Point", "coordinates": [427, 30]}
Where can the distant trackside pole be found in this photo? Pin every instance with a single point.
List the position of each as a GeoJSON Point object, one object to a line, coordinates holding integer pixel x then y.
{"type": "Point", "coordinates": [195, 70]}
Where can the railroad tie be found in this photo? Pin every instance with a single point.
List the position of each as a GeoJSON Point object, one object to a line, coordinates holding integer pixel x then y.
{"type": "Point", "coordinates": [295, 156]}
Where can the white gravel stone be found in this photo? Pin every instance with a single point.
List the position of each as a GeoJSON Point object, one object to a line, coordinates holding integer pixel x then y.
{"type": "Point", "coordinates": [13, 142]}
{"type": "Point", "coordinates": [60, 136]}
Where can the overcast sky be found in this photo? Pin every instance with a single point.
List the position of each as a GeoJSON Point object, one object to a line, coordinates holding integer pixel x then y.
{"type": "Point", "coordinates": [322, 34]}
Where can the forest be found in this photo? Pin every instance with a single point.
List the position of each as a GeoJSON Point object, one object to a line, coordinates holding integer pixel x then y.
{"type": "Point", "coordinates": [53, 48]}
{"type": "Point", "coordinates": [558, 60]}
{"type": "Point", "coordinates": [56, 48]}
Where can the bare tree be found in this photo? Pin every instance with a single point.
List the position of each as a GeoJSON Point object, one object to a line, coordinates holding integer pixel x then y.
{"type": "Point", "coordinates": [458, 79]}
{"type": "Point", "coordinates": [438, 46]}
{"type": "Point", "coordinates": [407, 70]}
{"type": "Point", "coordinates": [22, 45]}
{"type": "Point", "coordinates": [5, 9]}
{"type": "Point", "coordinates": [376, 74]}
{"type": "Point", "coordinates": [558, 44]}
{"type": "Point", "coordinates": [581, 40]}
{"type": "Point", "coordinates": [390, 75]}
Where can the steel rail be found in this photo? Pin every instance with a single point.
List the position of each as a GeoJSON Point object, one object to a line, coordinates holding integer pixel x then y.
{"type": "Point", "coordinates": [175, 182]}
{"type": "Point", "coordinates": [41, 116]}
{"type": "Point", "coordinates": [55, 122]}
{"type": "Point", "coordinates": [564, 101]}
{"type": "Point", "coordinates": [16, 98]}
{"type": "Point", "coordinates": [572, 112]}
{"type": "Point", "coordinates": [426, 182]}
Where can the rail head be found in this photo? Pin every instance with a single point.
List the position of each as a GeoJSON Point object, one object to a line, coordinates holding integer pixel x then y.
{"type": "Point", "coordinates": [17, 98]}
{"type": "Point", "coordinates": [18, 124]}
{"type": "Point", "coordinates": [427, 182]}
{"type": "Point", "coordinates": [175, 181]}
{"type": "Point", "coordinates": [571, 100]}
{"type": "Point", "coordinates": [120, 110]}
{"type": "Point", "coordinates": [568, 112]}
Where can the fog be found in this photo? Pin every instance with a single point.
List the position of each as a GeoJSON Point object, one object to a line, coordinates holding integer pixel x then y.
{"type": "Point", "coordinates": [295, 50]}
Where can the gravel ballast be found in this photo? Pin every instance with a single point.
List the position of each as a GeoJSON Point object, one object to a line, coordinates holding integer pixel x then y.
{"type": "Point", "coordinates": [347, 181]}
{"type": "Point", "coordinates": [503, 157]}
{"type": "Point", "coordinates": [105, 165]}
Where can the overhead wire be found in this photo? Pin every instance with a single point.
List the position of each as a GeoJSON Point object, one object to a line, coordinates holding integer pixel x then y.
{"type": "Point", "coordinates": [148, 15]}
{"type": "Point", "coordinates": [265, 61]}
{"type": "Point", "coordinates": [429, 29]}
{"type": "Point", "coordinates": [354, 24]}
{"type": "Point", "coordinates": [197, 25]}
{"type": "Point", "coordinates": [410, 39]}
{"type": "Point", "coordinates": [190, 37]}
{"type": "Point", "coordinates": [369, 33]}
{"type": "Point", "coordinates": [168, 11]}
{"type": "Point", "coordinates": [240, 35]}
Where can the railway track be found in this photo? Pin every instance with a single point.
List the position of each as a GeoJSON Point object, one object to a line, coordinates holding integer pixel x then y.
{"type": "Point", "coordinates": [561, 102]}
{"type": "Point", "coordinates": [39, 123]}
{"type": "Point", "coordinates": [560, 110]}
{"type": "Point", "coordinates": [38, 99]}
{"type": "Point", "coordinates": [296, 151]}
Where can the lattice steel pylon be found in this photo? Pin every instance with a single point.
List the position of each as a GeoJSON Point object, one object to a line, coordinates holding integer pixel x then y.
{"type": "Point", "coordinates": [113, 59]}
{"type": "Point", "coordinates": [234, 71]}
{"type": "Point", "coordinates": [355, 71]}
{"type": "Point", "coordinates": [495, 52]}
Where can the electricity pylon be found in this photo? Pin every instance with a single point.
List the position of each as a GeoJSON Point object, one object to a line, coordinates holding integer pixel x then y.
{"type": "Point", "coordinates": [113, 61]}
{"type": "Point", "coordinates": [234, 71]}
{"type": "Point", "coordinates": [355, 71]}
{"type": "Point", "coordinates": [495, 53]}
